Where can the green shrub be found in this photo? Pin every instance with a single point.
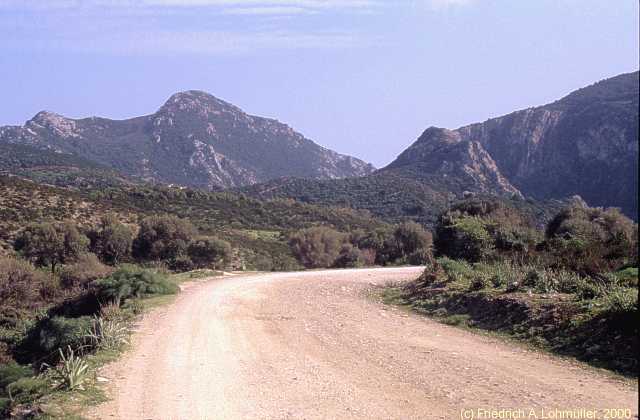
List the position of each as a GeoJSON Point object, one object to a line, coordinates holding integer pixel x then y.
{"type": "Point", "coordinates": [480, 282]}
{"type": "Point", "coordinates": [163, 238]}
{"type": "Point", "coordinates": [349, 257]}
{"type": "Point", "coordinates": [464, 237]}
{"type": "Point", "coordinates": [108, 334]}
{"type": "Point", "coordinates": [627, 277]}
{"type": "Point", "coordinates": [26, 390]}
{"type": "Point", "coordinates": [112, 241]}
{"type": "Point", "coordinates": [317, 247]}
{"type": "Point", "coordinates": [12, 372]}
{"type": "Point", "coordinates": [129, 282]}
{"type": "Point", "coordinates": [591, 240]}
{"type": "Point", "coordinates": [71, 372]}
{"type": "Point", "coordinates": [62, 332]}
{"type": "Point", "coordinates": [210, 253]}
{"type": "Point", "coordinates": [621, 301]}
{"type": "Point", "coordinates": [85, 270]}
{"type": "Point", "coordinates": [181, 264]}
{"type": "Point", "coordinates": [51, 243]}
{"type": "Point", "coordinates": [456, 270]}
{"type": "Point", "coordinates": [5, 406]}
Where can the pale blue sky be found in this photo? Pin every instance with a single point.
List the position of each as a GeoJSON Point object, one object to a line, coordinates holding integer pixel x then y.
{"type": "Point", "coordinates": [363, 77]}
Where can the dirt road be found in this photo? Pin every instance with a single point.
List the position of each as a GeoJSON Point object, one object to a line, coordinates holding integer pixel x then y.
{"type": "Point", "coordinates": [310, 345]}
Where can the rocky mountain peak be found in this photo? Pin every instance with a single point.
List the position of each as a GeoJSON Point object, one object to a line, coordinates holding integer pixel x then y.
{"type": "Point", "coordinates": [196, 101]}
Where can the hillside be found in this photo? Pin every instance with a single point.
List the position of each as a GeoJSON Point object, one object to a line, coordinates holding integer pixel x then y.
{"type": "Point", "coordinates": [585, 143]}
{"type": "Point", "coordinates": [390, 197]}
{"type": "Point", "coordinates": [258, 228]}
{"type": "Point", "coordinates": [194, 139]}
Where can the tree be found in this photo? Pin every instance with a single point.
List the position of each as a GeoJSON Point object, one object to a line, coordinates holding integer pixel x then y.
{"type": "Point", "coordinates": [209, 252]}
{"type": "Point", "coordinates": [112, 241]}
{"type": "Point", "coordinates": [317, 246]}
{"type": "Point", "coordinates": [51, 243]}
{"type": "Point", "coordinates": [163, 238]}
{"type": "Point", "coordinates": [412, 237]}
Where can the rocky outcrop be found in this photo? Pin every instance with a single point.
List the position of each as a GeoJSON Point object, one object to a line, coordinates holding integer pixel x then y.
{"type": "Point", "coordinates": [585, 143]}
{"type": "Point", "coordinates": [194, 139]}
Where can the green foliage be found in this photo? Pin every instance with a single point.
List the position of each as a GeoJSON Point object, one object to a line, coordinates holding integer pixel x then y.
{"type": "Point", "coordinates": [349, 257]}
{"type": "Point", "coordinates": [108, 333]}
{"type": "Point", "coordinates": [163, 237]}
{"type": "Point", "coordinates": [112, 240]}
{"type": "Point", "coordinates": [51, 243]}
{"type": "Point", "coordinates": [71, 372]}
{"type": "Point", "coordinates": [464, 237]}
{"type": "Point", "coordinates": [210, 252]}
{"type": "Point", "coordinates": [412, 237]}
{"type": "Point", "coordinates": [86, 269]}
{"type": "Point", "coordinates": [317, 246]}
{"type": "Point", "coordinates": [132, 282]}
{"type": "Point", "coordinates": [61, 332]}
{"type": "Point", "coordinates": [12, 372]}
{"type": "Point", "coordinates": [591, 240]}
{"type": "Point", "coordinates": [25, 390]}
{"type": "Point", "coordinates": [621, 301]}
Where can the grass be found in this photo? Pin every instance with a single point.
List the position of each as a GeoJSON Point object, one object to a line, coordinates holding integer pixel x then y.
{"type": "Point", "coordinates": [71, 404]}
{"type": "Point", "coordinates": [599, 330]}
{"type": "Point", "coordinates": [395, 295]}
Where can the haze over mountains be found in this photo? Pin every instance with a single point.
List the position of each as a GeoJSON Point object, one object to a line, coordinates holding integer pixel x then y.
{"type": "Point", "coordinates": [194, 139]}
{"type": "Point", "coordinates": [585, 143]}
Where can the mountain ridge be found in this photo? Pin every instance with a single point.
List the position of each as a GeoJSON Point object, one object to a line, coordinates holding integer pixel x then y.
{"type": "Point", "coordinates": [585, 143]}
{"type": "Point", "coordinates": [193, 139]}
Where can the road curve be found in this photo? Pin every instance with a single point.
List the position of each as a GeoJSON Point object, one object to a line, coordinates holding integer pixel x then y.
{"type": "Point", "coordinates": [311, 345]}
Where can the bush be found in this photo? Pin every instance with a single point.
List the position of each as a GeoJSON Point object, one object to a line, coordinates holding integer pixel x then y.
{"type": "Point", "coordinates": [163, 238]}
{"type": "Point", "coordinates": [317, 247]}
{"type": "Point", "coordinates": [591, 240]}
{"type": "Point", "coordinates": [349, 257]}
{"type": "Point", "coordinates": [108, 333]}
{"type": "Point", "coordinates": [411, 238]}
{"type": "Point", "coordinates": [130, 282]}
{"type": "Point", "coordinates": [12, 372]}
{"type": "Point", "coordinates": [456, 270]}
{"type": "Point", "coordinates": [464, 238]}
{"type": "Point", "coordinates": [479, 282]}
{"type": "Point", "coordinates": [20, 283]}
{"type": "Point", "coordinates": [181, 263]}
{"type": "Point", "coordinates": [61, 332]}
{"type": "Point", "coordinates": [71, 372]}
{"type": "Point", "coordinates": [51, 243]}
{"type": "Point", "coordinates": [112, 241]}
{"type": "Point", "coordinates": [26, 390]}
{"type": "Point", "coordinates": [621, 301]}
{"type": "Point", "coordinates": [210, 253]}
{"type": "Point", "coordinates": [85, 270]}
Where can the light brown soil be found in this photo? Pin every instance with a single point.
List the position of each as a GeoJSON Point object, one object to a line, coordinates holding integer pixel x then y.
{"type": "Point", "coordinates": [311, 345]}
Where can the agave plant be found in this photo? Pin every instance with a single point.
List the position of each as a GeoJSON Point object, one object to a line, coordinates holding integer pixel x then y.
{"type": "Point", "coordinates": [72, 370]}
{"type": "Point", "coordinates": [108, 334]}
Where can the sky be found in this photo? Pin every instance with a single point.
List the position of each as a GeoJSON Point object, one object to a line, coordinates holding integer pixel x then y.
{"type": "Point", "coordinates": [362, 77]}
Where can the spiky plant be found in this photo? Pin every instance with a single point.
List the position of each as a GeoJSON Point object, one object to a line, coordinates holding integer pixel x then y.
{"type": "Point", "coordinates": [72, 370]}
{"type": "Point", "coordinates": [108, 334]}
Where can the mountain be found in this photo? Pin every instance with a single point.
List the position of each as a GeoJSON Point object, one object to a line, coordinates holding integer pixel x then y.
{"type": "Point", "coordinates": [583, 144]}
{"type": "Point", "coordinates": [194, 139]}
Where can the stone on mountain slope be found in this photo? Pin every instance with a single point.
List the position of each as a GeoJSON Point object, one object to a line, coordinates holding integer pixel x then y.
{"type": "Point", "coordinates": [194, 139]}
